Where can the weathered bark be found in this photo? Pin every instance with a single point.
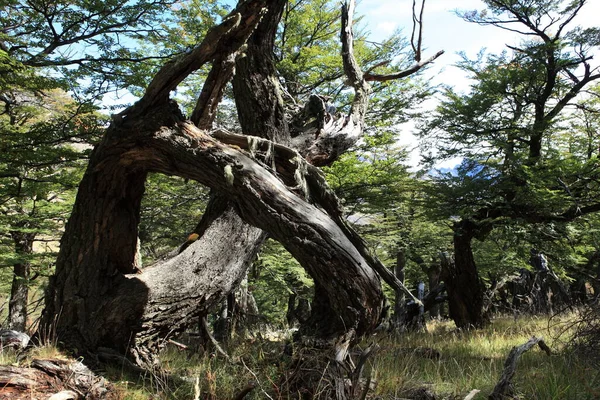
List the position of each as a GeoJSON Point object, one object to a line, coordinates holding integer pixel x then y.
{"type": "Point", "coordinates": [93, 299]}
{"type": "Point", "coordinates": [92, 288]}
{"type": "Point", "coordinates": [433, 272]}
{"type": "Point", "coordinates": [504, 388]}
{"type": "Point", "coordinates": [465, 291]}
{"type": "Point", "coordinates": [99, 297]}
{"type": "Point", "coordinates": [19, 292]}
{"type": "Point", "coordinates": [44, 378]}
{"type": "Point", "coordinates": [257, 91]}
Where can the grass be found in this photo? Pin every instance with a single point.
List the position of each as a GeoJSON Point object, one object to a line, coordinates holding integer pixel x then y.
{"type": "Point", "coordinates": [213, 377]}
{"type": "Point", "coordinates": [475, 360]}
{"type": "Point", "coordinates": [467, 361]}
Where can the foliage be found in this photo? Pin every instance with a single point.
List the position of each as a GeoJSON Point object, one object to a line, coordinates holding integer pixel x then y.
{"type": "Point", "coordinates": [89, 46]}
{"type": "Point", "coordinates": [45, 137]}
{"type": "Point", "coordinates": [274, 276]}
{"type": "Point", "coordinates": [514, 129]}
{"type": "Point", "coordinates": [307, 52]}
{"type": "Point", "coordinates": [171, 209]}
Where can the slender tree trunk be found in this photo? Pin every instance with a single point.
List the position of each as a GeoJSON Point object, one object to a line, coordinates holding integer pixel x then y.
{"type": "Point", "coordinates": [465, 292]}
{"type": "Point", "coordinates": [290, 314]}
{"type": "Point", "coordinates": [433, 280]}
{"type": "Point", "coordinates": [399, 306]}
{"type": "Point", "coordinates": [19, 293]}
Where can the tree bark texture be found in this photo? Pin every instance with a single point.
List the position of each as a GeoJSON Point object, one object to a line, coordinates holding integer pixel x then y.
{"type": "Point", "coordinates": [465, 292]}
{"type": "Point", "coordinates": [399, 303]}
{"type": "Point", "coordinates": [45, 378]}
{"type": "Point", "coordinates": [433, 280]}
{"type": "Point", "coordinates": [99, 298]}
{"type": "Point", "coordinates": [257, 91]}
{"type": "Point", "coordinates": [19, 292]}
{"type": "Point", "coordinates": [504, 389]}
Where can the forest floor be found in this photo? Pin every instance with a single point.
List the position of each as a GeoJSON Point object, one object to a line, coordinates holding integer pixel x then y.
{"type": "Point", "coordinates": [441, 363]}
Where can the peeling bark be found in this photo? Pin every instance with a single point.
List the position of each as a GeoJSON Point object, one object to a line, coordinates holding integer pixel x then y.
{"type": "Point", "coordinates": [44, 378]}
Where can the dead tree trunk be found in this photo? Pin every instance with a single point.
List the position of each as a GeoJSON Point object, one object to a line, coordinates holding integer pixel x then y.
{"type": "Point", "coordinates": [433, 280]}
{"type": "Point", "coordinates": [54, 378]}
{"type": "Point", "coordinates": [504, 388]}
{"type": "Point", "coordinates": [399, 321]}
{"type": "Point", "coordinates": [19, 292]}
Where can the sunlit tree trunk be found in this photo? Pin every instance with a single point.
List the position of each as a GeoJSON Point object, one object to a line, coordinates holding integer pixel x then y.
{"type": "Point", "coordinates": [19, 292]}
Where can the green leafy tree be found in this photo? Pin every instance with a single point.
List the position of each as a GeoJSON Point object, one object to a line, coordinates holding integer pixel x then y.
{"type": "Point", "coordinates": [506, 129]}
{"type": "Point", "coordinates": [55, 60]}
{"type": "Point", "coordinates": [44, 139]}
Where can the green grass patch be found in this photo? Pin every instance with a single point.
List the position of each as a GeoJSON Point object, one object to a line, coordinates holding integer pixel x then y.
{"type": "Point", "coordinates": [475, 360]}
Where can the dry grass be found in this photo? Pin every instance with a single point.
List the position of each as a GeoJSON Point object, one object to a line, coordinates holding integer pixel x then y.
{"type": "Point", "coordinates": [475, 360]}
{"type": "Point", "coordinates": [467, 361]}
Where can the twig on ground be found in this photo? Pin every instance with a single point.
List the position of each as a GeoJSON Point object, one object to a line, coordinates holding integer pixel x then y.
{"type": "Point", "coordinates": [256, 378]}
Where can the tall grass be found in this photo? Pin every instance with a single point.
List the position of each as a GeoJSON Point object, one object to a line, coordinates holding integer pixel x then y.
{"type": "Point", "coordinates": [475, 360]}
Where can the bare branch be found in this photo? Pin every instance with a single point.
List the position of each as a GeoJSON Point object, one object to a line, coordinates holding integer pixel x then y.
{"type": "Point", "coordinates": [403, 74]}
{"type": "Point", "coordinates": [504, 388]}
{"type": "Point", "coordinates": [327, 200]}
{"type": "Point", "coordinates": [417, 21]}
{"type": "Point", "coordinates": [379, 64]}
{"type": "Point", "coordinates": [336, 134]}
{"type": "Point", "coordinates": [212, 92]}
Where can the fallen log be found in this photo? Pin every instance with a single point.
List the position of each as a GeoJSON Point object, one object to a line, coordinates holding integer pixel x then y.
{"type": "Point", "coordinates": [53, 378]}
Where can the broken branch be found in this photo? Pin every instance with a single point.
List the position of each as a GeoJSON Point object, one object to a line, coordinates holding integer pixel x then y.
{"type": "Point", "coordinates": [504, 389]}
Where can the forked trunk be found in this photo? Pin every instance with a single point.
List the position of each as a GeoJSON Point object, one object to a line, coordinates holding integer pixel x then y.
{"type": "Point", "coordinates": [465, 292]}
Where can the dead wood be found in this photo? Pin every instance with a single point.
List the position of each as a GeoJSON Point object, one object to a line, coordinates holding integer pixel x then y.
{"type": "Point", "coordinates": [53, 377]}
{"type": "Point", "coordinates": [504, 388]}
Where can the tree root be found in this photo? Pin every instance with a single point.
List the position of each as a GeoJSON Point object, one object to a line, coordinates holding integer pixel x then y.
{"type": "Point", "coordinates": [328, 372]}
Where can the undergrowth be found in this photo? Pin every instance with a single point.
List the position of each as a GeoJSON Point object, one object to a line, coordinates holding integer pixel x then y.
{"type": "Point", "coordinates": [475, 360]}
{"type": "Point", "coordinates": [443, 361]}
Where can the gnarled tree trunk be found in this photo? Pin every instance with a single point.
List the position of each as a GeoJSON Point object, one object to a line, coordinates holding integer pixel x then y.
{"type": "Point", "coordinates": [99, 297]}
{"type": "Point", "coordinates": [465, 291]}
